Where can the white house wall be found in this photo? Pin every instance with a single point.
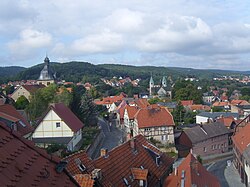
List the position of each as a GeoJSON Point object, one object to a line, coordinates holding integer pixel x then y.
{"type": "Point", "coordinates": [247, 170]}
{"type": "Point", "coordinates": [47, 127]}
{"type": "Point", "coordinates": [201, 119]}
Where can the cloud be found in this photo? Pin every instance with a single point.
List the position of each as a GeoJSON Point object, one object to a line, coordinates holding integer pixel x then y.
{"type": "Point", "coordinates": [177, 34]}
{"type": "Point", "coordinates": [105, 42]}
{"type": "Point", "coordinates": [29, 41]}
{"type": "Point", "coordinates": [180, 32]}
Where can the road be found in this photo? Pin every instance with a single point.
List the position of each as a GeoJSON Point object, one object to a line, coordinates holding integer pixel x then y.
{"type": "Point", "coordinates": [113, 136]}
{"type": "Point", "coordinates": [227, 175]}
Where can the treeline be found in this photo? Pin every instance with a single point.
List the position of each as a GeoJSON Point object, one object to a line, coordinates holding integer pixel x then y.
{"type": "Point", "coordinates": [77, 71]}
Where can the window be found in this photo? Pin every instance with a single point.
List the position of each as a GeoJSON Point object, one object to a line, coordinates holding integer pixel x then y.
{"type": "Point", "coordinates": [204, 149]}
{"type": "Point", "coordinates": [58, 124]}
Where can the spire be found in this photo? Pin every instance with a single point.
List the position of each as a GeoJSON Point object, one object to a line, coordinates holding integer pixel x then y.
{"type": "Point", "coordinates": [164, 82]}
{"type": "Point", "coordinates": [46, 60]}
{"type": "Point", "coordinates": [151, 82]}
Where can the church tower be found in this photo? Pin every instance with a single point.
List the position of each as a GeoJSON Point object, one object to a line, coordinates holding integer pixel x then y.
{"type": "Point", "coordinates": [164, 82]}
{"type": "Point", "coordinates": [151, 85]}
{"type": "Point", "coordinates": [46, 75]}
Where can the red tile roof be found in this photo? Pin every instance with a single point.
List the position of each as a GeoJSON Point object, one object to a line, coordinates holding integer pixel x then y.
{"type": "Point", "coordinates": [193, 173]}
{"type": "Point", "coordinates": [142, 103]}
{"type": "Point", "coordinates": [119, 164]}
{"type": "Point", "coordinates": [23, 164]}
{"type": "Point", "coordinates": [111, 99]}
{"type": "Point", "coordinates": [84, 180]}
{"type": "Point", "coordinates": [239, 102]}
{"type": "Point", "coordinates": [75, 159]}
{"type": "Point", "coordinates": [139, 174]}
{"type": "Point", "coordinates": [199, 107]}
{"type": "Point", "coordinates": [242, 139]}
{"type": "Point", "coordinates": [131, 110]}
{"type": "Point", "coordinates": [67, 116]}
{"type": "Point", "coordinates": [154, 116]}
{"type": "Point", "coordinates": [9, 113]}
{"type": "Point", "coordinates": [187, 102]}
{"type": "Point", "coordinates": [218, 104]}
{"type": "Point", "coordinates": [227, 121]}
{"type": "Point", "coordinates": [121, 109]}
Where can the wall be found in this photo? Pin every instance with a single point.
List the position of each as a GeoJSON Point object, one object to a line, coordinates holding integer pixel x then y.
{"type": "Point", "coordinates": [216, 145]}
{"type": "Point", "coordinates": [19, 92]}
{"type": "Point", "coordinates": [47, 127]}
{"type": "Point", "coordinates": [201, 119]}
{"type": "Point", "coordinates": [93, 147]}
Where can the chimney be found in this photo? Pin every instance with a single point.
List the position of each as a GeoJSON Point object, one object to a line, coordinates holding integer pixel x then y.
{"type": "Point", "coordinates": [104, 152]}
{"type": "Point", "coordinates": [128, 136]}
{"type": "Point", "coordinates": [132, 143]}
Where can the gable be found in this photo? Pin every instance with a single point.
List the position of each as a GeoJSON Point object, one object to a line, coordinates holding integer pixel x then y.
{"type": "Point", "coordinates": [48, 127]}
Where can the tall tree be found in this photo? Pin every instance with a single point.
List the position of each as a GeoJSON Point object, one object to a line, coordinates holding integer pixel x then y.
{"type": "Point", "coordinates": [88, 110]}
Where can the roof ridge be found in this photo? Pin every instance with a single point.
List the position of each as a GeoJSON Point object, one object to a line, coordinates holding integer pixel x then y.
{"type": "Point", "coordinates": [75, 153]}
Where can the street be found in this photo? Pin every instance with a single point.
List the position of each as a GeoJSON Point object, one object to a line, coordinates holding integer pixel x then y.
{"type": "Point", "coordinates": [227, 175]}
{"type": "Point", "coordinates": [113, 136]}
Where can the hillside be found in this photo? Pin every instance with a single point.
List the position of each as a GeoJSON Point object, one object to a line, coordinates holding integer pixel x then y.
{"type": "Point", "coordinates": [7, 73]}
{"type": "Point", "coordinates": [77, 71]}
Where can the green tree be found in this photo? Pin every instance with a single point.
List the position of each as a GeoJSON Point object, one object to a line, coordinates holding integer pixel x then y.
{"type": "Point", "coordinates": [178, 114]}
{"type": "Point", "coordinates": [88, 110]}
{"type": "Point", "coordinates": [21, 103]}
{"type": "Point", "coordinates": [154, 100]}
{"type": "Point", "coordinates": [186, 90]}
{"type": "Point", "coordinates": [77, 92]}
{"type": "Point", "coordinates": [41, 99]}
{"type": "Point", "coordinates": [64, 97]}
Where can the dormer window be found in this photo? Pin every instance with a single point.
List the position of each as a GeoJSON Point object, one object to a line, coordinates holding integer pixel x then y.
{"type": "Point", "coordinates": [22, 123]}
{"type": "Point", "coordinates": [80, 165]}
{"type": "Point", "coordinates": [125, 181]}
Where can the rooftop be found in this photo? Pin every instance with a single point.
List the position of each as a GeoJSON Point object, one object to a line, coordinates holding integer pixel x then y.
{"type": "Point", "coordinates": [23, 164]}
{"type": "Point", "coordinates": [191, 173]}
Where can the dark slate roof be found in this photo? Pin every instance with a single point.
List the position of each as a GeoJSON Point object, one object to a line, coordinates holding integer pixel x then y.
{"type": "Point", "coordinates": [244, 107]}
{"type": "Point", "coordinates": [59, 140]}
{"type": "Point", "coordinates": [214, 115]}
{"type": "Point", "coordinates": [168, 104]}
{"type": "Point", "coordinates": [204, 132]}
{"type": "Point", "coordinates": [24, 164]}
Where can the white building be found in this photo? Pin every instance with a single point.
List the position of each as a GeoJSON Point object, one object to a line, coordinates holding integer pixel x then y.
{"type": "Point", "coordinates": [58, 125]}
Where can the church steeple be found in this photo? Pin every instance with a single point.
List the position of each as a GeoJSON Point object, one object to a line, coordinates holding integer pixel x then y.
{"type": "Point", "coordinates": [164, 82]}
{"type": "Point", "coordinates": [46, 75]}
{"type": "Point", "coordinates": [151, 84]}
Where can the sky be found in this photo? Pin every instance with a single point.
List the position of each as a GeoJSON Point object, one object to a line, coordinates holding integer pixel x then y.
{"type": "Point", "coordinates": [199, 34]}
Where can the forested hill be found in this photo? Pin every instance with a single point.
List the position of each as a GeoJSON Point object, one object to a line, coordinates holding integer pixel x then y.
{"type": "Point", "coordinates": [77, 71]}
{"type": "Point", "coordinates": [7, 73]}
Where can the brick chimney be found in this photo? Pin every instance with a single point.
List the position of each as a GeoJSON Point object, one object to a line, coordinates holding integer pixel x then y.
{"type": "Point", "coordinates": [104, 152]}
